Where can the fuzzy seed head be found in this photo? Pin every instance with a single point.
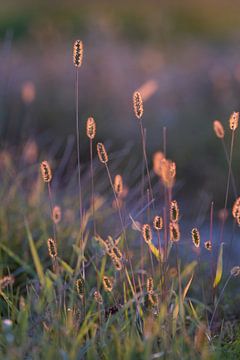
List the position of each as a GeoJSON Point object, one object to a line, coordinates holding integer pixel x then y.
{"type": "Point", "coordinates": [150, 285]}
{"type": "Point", "coordinates": [208, 245]}
{"type": "Point", "coordinates": [6, 281]}
{"type": "Point", "coordinates": [80, 286]}
{"type": "Point", "coordinates": [158, 222]}
{"type": "Point", "coordinates": [236, 208]}
{"type": "Point", "coordinates": [116, 262]}
{"type": "Point", "coordinates": [52, 248]}
{"type": "Point", "coordinates": [46, 171]}
{"type": "Point", "coordinates": [77, 53]}
{"type": "Point", "coordinates": [157, 163]}
{"type": "Point", "coordinates": [137, 104]}
{"type": "Point", "coordinates": [147, 233]}
{"type": "Point", "coordinates": [233, 121]}
{"type": "Point", "coordinates": [218, 129]}
{"type": "Point", "coordinates": [107, 283]}
{"type": "Point", "coordinates": [118, 185]}
{"type": "Point", "coordinates": [196, 237]}
{"type": "Point", "coordinates": [102, 154]}
{"type": "Point", "coordinates": [174, 211]}
{"type": "Point", "coordinates": [235, 271]}
{"type": "Point", "coordinates": [174, 232]}
{"type": "Point", "coordinates": [98, 297]}
{"type": "Point", "coordinates": [91, 128]}
{"type": "Point", "coordinates": [56, 214]}
{"type": "Point", "coordinates": [168, 173]}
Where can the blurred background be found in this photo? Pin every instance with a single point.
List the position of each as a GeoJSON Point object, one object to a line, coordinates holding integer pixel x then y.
{"type": "Point", "coordinates": [183, 55]}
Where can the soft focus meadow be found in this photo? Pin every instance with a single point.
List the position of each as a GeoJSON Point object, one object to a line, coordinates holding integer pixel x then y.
{"type": "Point", "coordinates": [120, 208]}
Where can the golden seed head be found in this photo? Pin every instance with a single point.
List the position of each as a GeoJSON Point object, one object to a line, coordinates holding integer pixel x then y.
{"type": "Point", "coordinates": [174, 232]}
{"type": "Point", "coordinates": [196, 237]}
{"type": "Point", "coordinates": [80, 286]}
{"type": "Point", "coordinates": [107, 283]}
{"type": "Point", "coordinates": [77, 53]}
{"type": "Point", "coordinates": [150, 285]}
{"type": "Point", "coordinates": [102, 154]}
{"type": "Point", "coordinates": [6, 280]}
{"type": "Point", "coordinates": [174, 211]}
{"type": "Point", "coordinates": [147, 233]}
{"type": "Point", "coordinates": [91, 128]}
{"type": "Point", "coordinates": [117, 252]}
{"type": "Point", "coordinates": [46, 171]}
{"type": "Point", "coordinates": [158, 222]}
{"type": "Point", "coordinates": [52, 248]}
{"type": "Point", "coordinates": [118, 184]}
{"type": "Point", "coordinates": [236, 208]}
{"type": "Point", "coordinates": [218, 129]}
{"type": "Point", "coordinates": [235, 271]}
{"type": "Point", "coordinates": [56, 214]}
{"type": "Point", "coordinates": [208, 245]}
{"type": "Point", "coordinates": [168, 172]}
{"type": "Point", "coordinates": [172, 272]}
{"type": "Point", "coordinates": [98, 297]}
{"type": "Point", "coordinates": [157, 162]}
{"type": "Point", "coordinates": [233, 120]}
{"type": "Point", "coordinates": [137, 104]}
{"type": "Point", "coordinates": [116, 262]}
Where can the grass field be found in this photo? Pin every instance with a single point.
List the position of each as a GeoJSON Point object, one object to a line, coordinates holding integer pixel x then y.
{"type": "Point", "coordinates": [97, 264]}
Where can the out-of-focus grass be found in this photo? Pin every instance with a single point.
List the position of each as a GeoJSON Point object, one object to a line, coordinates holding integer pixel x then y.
{"type": "Point", "coordinates": [150, 21]}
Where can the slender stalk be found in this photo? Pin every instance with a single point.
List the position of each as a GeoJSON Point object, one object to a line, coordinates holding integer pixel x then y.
{"type": "Point", "coordinates": [51, 210]}
{"type": "Point", "coordinates": [228, 162]}
{"type": "Point", "coordinates": [145, 159]}
{"type": "Point", "coordinates": [219, 299]}
{"type": "Point", "coordinates": [122, 225]}
{"type": "Point", "coordinates": [79, 169]}
{"type": "Point", "coordinates": [228, 183]}
{"type": "Point", "coordinates": [92, 187]}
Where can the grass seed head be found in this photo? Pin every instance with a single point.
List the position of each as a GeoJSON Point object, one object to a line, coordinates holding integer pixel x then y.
{"type": "Point", "coordinates": [174, 211]}
{"type": "Point", "coordinates": [77, 53]}
{"type": "Point", "coordinates": [147, 233]}
{"type": "Point", "coordinates": [137, 104]}
{"type": "Point", "coordinates": [174, 232]}
{"type": "Point", "coordinates": [208, 245]}
{"type": "Point", "coordinates": [118, 185]}
{"type": "Point", "coordinates": [196, 237]}
{"type": "Point", "coordinates": [116, 262]}
{"type": "Point", "coordinates": [218, 129]}
{"type": "Point", "coordinates": [102, 154]}
{"type": "Point", "coordinates": [52, 248]}
{"type": "Point", "coordinates": [56, 214]}
{"type": "Point", "coordinates": [233, 121]}
{"type": "Point", "coordinates": [6, 281]}
{"type": "Point", "coordinates": [158, 222]}
{"type": "Point", "coordinates": [46, 171]}
{"type": "Point", "coordinates": [236, 208]}
{"type": "Point", "coordinates": [91, 128]}
{"type": "Point", "coordinates": [98, 297]}
{"type": "Point", "coordinates": [107, 283]}
{"type": "Point", "coordinates": [157, 163]}
{"type": "Point", "coordinates": [150, 285]}
{"type": "Point", "coordinates": [80, 286]}
{"type": "Point", "coordinates": [235, 271]}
